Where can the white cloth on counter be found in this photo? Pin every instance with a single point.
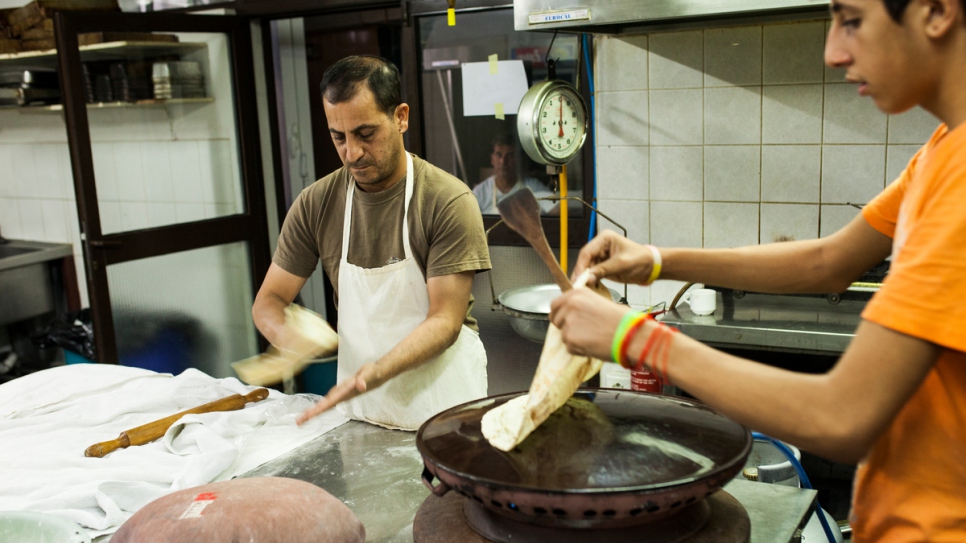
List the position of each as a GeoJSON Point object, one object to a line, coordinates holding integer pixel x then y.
{"type": "Point", "coordinates": [48, 419]}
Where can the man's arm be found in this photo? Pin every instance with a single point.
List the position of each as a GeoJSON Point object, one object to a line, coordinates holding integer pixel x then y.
{"type": "Point", "coordinates": [449, 296]}
{"type": "Point", "coordinates": [277, 292]}
{"type": "Point", "coordinates": [823, 265]}
{"type": "Point", "coordinates": [837, 415]}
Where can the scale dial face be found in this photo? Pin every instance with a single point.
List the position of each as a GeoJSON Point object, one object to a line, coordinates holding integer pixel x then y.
{"type": "Point", "coordinates": [552, 122]}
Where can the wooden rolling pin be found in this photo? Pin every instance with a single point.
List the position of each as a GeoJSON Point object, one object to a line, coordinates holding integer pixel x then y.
{"type": "Point", "coordinates": [154, 430]}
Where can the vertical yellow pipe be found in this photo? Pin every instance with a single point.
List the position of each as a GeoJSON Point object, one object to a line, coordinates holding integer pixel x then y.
{"type": "Point", "coordinates": [562, 182]}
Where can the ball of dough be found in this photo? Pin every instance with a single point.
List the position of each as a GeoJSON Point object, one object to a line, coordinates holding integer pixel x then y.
{"type": "Point", "coordinates": [259, 510]}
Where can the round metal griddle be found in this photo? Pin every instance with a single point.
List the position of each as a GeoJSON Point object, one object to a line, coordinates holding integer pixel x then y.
{"type": "Point", "coordinates": [606, 458]}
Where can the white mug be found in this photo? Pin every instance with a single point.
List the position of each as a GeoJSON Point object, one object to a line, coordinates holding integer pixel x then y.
{"type": "Point", "coordinates": [703, 301]}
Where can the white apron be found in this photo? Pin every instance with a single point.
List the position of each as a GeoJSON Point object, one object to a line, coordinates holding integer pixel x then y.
{"type": "Point", "coordinates": [379, 307]}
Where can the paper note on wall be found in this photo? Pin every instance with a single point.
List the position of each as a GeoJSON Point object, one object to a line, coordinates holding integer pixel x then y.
{"type": "Point", "coordinates": [482, 90]}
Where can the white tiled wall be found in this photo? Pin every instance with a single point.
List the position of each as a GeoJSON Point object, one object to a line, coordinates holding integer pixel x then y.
{"type": "Point", "coordinates": [153, 166]}
{"type": "Point", "coordinates": [734, 136]}
{"type": "Point", "coordinates": [36, 187]}
{"type": "Point", "coordinates": [141, 182]}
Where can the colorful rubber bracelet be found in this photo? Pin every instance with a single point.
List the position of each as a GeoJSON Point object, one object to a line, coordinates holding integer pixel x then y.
{"type": "Point", "coordinates": [642, 358]}
{"type": "Point", "coordinates": [648, 345]}
{"type": "Point", "coordinates": [629, 336]}
{"type": "Point", "coordinates": [618, 341]}
{"type": "Point", "coordinates": [655, 265]}
{"type": "Point", "coordinates": [669, 338]}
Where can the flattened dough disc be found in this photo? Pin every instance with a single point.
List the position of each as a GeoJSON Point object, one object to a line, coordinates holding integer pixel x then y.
{"type": "Point", "coordinates": [309, 337]}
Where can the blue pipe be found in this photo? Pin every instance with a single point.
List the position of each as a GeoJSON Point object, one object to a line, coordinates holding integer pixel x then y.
{"type": "Point", "coordinates": [801, 477]}
{"type": "Point", "coordinates": [592, 231]}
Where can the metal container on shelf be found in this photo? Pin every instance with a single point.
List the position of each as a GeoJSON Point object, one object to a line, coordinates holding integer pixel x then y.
{"type": "Point", "coordinates": [178, 79]}
{"type": "Point", "coordinates": [529, 309]}
{"type": "Point", "coordinates": [23, 86]}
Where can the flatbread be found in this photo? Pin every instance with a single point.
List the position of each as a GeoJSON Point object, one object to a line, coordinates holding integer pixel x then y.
{"type": "Point", "coordinates": [309, 336]}
{"type": "Point", "coordinates": [558, 375]}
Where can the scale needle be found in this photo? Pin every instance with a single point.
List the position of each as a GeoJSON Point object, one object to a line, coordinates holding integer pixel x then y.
{"type": "Point", "coordinates": [561, 134]}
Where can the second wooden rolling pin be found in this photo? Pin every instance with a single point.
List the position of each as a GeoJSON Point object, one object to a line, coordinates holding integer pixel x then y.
{"type": "Point", "coordinates": [154, 430]}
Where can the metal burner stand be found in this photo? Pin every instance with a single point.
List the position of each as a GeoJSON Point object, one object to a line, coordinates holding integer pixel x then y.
{"type": "Point", "coordinates": [720, 518]}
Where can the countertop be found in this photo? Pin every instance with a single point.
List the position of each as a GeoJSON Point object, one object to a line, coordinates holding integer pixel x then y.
{"type": "Point", "coordinates": [18, 253]}
{"type": "Point", "coordinates": [376, 473]}
{"type": "Point", "coordinates": [805, 324]}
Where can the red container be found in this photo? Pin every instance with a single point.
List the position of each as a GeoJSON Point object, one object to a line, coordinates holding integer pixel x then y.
{"type": "Point", "coordinates": [646, 381]}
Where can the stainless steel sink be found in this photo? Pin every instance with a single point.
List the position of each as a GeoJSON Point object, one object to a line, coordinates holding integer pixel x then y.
{"type": "Point", "coordinates": [6, 250]}
{"type": "Point", "coordinates": [25, 281]}
{"type": "Point", "coordinates": [17, 253]}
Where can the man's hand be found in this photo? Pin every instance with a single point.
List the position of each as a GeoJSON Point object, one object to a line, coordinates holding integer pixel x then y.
{"type": "Point", "coordinates": [367, 378]}
{"type": "Point", "coordinates": [448, 298]}
{"type": "Point", "coordinates": [277, 292]}
{"type": "Point", "coordinates": [612, 256]}
{"type": "Point", "coordinates": [587, 322]}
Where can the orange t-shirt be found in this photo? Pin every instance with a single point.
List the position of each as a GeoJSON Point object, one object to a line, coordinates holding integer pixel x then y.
{"type": "Point", "coordinates": [912, 485]}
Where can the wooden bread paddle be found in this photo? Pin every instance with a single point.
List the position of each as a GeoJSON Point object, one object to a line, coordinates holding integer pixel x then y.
{"type": "Point", "coordinates": [154, 430]}
{"type": "Point", "coordinates": [521, 212]}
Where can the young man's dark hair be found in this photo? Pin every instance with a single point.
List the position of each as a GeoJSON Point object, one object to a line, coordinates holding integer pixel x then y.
{"type": "Point", "coordinates": [341, 81]}
{"type": "Point", "coordinates": [897, 7]}
{"type": "Point", "coordinates": [502, 138]}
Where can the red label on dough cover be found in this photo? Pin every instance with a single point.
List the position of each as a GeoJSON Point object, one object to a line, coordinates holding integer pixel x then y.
{"type": "Point", "coordinates": [196, 507]}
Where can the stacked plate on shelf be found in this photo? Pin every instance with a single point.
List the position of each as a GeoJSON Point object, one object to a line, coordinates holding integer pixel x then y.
{"type": "Point", "coordinates": [178, 79]}
{"type": "Point", "coordinates": [131, 81]}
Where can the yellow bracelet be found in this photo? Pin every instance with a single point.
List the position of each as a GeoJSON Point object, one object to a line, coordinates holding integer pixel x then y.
{"type": "Point", "coordinates": [655, 266]}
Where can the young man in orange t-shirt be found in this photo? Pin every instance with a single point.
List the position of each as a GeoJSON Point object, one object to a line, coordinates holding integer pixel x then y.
{"type": "Point", "coordinates": [896, 401]}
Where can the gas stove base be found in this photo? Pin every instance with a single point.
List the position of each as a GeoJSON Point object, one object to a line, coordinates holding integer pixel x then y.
{"type": "Point", "coordinates": [442, 520]}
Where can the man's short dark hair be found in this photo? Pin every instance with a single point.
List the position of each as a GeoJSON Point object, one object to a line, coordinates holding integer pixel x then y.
{"type": "Point", "coordinates": [503, 138]}
{"type": "Point", "coordinates": [897, 7]}
{"type": "Point", "coordinates": [341, 81]}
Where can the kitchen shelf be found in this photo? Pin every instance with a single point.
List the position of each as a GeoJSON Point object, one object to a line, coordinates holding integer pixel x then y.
{"type": "Point", "coordinates": [106, 51]}
{"type": "Point", "coordinates": [112, 105]}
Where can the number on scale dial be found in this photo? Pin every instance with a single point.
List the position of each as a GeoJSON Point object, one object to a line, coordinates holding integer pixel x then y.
{"type": "Point", "coordinates": [561, 125]}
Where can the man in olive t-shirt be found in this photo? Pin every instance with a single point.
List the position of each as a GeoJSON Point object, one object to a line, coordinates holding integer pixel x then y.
{"type": "Point", "coordinates": [402, 270]}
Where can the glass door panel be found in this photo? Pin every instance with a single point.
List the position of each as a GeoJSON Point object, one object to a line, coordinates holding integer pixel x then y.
{"type": "Point", "coordinates": [164, 146]}
{"type": "Point", "coordinates": [163, 130]}
{"type": "Point", "coordinates": [205, 323]}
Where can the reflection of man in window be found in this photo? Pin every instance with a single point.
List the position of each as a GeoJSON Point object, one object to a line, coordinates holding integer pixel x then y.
{"type": "Point", "coordinates": [506, 180]}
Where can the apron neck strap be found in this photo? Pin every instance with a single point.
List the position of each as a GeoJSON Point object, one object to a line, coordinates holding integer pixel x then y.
{"type": "Point", "coordinates": [347, 221]}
